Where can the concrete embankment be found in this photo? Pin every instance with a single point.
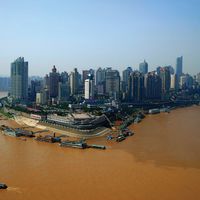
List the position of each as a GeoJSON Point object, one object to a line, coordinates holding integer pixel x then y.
{"type": "Point", "coordinates": [58, 129]}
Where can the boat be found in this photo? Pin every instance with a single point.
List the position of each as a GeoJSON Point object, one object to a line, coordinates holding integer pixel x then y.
{"type": "Point", "coordinates": [95, 146]}
{"type": "Point", "coordinates": [3, 186]}
{"type": "Point", "coordinates": [11, 132]}
{"type": "Point", "coordinates": [165, 110]}
{"type": "Point", "coordinates": [109, 137]}
{"type": "Point", "coordinates": [120, 138]}
{"type": "Point", "coordinates": [24, 133]}
{"type": "Point", "coordinates": [137, 120]}
{"type": "Point", "coordinates": [48, 138]}
{"type": "Point", "coordinates": [74, 144]}
{"type": "Point", "coordinates": [127, 133]}
{"type": "Point", "coordinates": [154, 111]}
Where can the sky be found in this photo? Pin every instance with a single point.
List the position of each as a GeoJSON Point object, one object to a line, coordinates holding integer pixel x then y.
{"type": "Point", "coordinates": [99, 33]}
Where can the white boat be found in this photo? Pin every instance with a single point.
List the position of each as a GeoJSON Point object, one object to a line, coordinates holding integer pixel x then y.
{"type": "Point", "coordinates": [154, 111]}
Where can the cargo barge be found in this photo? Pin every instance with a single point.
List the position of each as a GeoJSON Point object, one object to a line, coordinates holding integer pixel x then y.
{"type": "Point", "coordinates": [95, 146]}
{"type": "Point", "coordinates": [74, 144]}
{"type": "Point", "coordinates": [80, 145]}
{"type": "Point", "coordinates": [16, 132]}
{"type": "Point", "coordinates": [48, 138]}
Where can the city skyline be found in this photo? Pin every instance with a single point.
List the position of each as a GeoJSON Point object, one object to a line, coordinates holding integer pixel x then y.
{"type": "Point", "coordinates": [94, 34]}
{"type": "Point", "coordinates": [70, 69]}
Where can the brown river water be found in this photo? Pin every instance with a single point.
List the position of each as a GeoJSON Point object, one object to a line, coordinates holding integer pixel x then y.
{"type": "Point", "coordinates": [161, 161]}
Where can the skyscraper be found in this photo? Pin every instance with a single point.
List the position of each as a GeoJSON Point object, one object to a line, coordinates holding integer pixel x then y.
{"type": "Point", "coordinates": [74, 82]}
{"type": "Point", "coordinates": [179, 67]}
{"type": "Point", "coordinates": [35, 87]}
{"type": "Point", "coordinates": [126, 73]}
{"type": "Point", "coordinates": [166, 80]}
{"type": "Point", "coordinates": [186, 81]}
{"type": "Point", "coordinates": [64, 77]}
{"type": "Point", "coordinates": [46, 82]}
{"type": "Point", "coordinates": [53, 83]}
{"type": "Point", "coordinates": [89, 87]}
{"type": "Point", "coordinates": [112, 83]}
{"type": "Point", "coordinates": [143, 67]}
{"type": "Point", "coordinates": [100, 81]}
{"type": "Point", "coordinates": [85, 75]}
{"type": "Point", "coordinates": [63, 91]}
{"type": "Point", "coordinates": [136, 87]}
{"type": "Point", "coordinates": [19, 79]}
{"type": "Point", "coordinates": [124, 83]}
{"type": "Point", "coordinates": [152, 84]}
{"type": "Point", "coordinates": [174, 83]}
{"type": "Point", "coordinates": [100, 76]}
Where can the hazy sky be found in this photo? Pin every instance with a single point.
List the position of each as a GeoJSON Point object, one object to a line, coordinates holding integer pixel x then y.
{"type": "Point", "coordinates": [101, 33]}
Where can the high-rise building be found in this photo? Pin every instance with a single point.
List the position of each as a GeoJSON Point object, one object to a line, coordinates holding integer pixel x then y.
{"type": "Point", "coordinates": [125, 76]}
{"type": "Point", "coordinates": [179, 67]}
{"type": "Point", "coordinates": [136, 87]}
{"type": "Point", "coordinates": [182, 82]}
{"type": "Point", "coordinates": [171, 69]}
{"type": "Point", "coordinates": [100, 75]}
{"type": "Point", "coordinates": [53, 83]}
{"type": "Point", "coordinates": [46, 82]}
{"type": "Point", "coordinates": [198, 78]}
{"type": "Point", "coordinates": [174, 82]}
{"type": "Point", "coordinates": [158, 70]}
{"type": "Point", "coordinates": [166, 80]}
{"type": "Point", "coordinates": [126, 73]}
{"type": "Point", "coordinates": [19, 79]}
{"type": "Point", "coordinates": [100, 80]}
{"type": "Point", "coordinates": [42, 97]}
{"type": "Point", "coordinates": [143, 67]}
{"type": "Point", "coordinates": [152, 84]}
{"type": "Point", "coordinates": [112, 83]}
{"type": "Point", "coordinates": [35, 87]}
{"type": "Point", "coordinates": [186, 81]}
{"type": "Point", "coordinates": [74, 82]}
{"type": "Point", "coordinates": [63, 91]}
{"type": "Point", "coordinates": [89, 87]}
{"type": "Point", "coordinates": [85, 75]}
{"type": "Point", "coordinates": [64, 77]}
